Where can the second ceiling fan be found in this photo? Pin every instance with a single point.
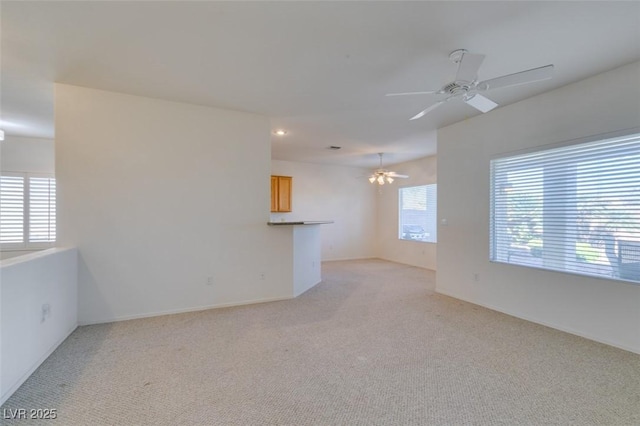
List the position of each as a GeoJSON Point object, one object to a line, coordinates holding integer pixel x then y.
{"type": "Point", "coordinates": [467, 88]}
{"type": "Point", "coordinates": [380, 175]}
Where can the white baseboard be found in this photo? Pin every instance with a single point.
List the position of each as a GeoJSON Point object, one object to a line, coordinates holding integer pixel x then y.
{"type": "Point", "coordinates": [416, 264]}
{"type": "Point", "coordinates": [340, 259]}
{"type": "Point", "coordinates": [379, 258]}
{"type": "Point", "coordinates": [34, 367]}
{"type": "Point", "coordinates": [182, 311]}
{"type": "Point", "coordinates": [545, 323]}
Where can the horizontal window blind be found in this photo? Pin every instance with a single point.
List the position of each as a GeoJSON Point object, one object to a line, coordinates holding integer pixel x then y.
{"type": "Point", "coordinates": [42, 210]}
{"type": "Point", "coordinates": [27, 211]}
{"type": "Point", "coordinates": [573, 208]}
{"type": "Point", "coordinates": [11, 209]}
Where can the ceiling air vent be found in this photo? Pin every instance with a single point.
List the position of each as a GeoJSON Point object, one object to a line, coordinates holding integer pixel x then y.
{"type": "Point", "coordinates": [334, 147]}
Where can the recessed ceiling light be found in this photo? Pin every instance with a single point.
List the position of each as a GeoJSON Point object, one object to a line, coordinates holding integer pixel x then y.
{"type": "Point", "coordinates": [280, 132]}
{"type": "Point", "coordinates": [1, 135]}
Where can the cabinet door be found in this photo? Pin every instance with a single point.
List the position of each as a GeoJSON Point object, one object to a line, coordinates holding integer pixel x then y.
{"type": "Point", "coordinates": [284, 193]}
{"type": "Point", "coordinates": [274, 193]}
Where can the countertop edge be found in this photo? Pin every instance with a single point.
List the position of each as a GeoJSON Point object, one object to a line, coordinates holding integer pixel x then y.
{"type": "Point", "coordinates": [300, 222]}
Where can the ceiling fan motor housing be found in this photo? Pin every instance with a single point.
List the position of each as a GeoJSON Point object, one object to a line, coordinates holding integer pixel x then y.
{"type": "Point", "coordinates": [457, 88]}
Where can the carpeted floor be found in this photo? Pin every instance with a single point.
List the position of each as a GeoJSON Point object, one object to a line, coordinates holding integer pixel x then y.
{"type": "Point", "coordinates": [372, 344]}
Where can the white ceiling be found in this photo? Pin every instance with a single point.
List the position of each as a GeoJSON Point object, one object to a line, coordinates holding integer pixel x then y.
{"type": "Point", "coordinates": [318, 69]}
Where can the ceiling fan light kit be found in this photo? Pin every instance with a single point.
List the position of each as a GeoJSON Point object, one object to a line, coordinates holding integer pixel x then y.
{"type": "Point", "coordinates": [466, 86]}
{"type": "Point", "coordinates": [382, 175]}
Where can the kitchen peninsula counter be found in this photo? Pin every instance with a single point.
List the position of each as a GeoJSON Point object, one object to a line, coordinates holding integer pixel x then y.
{"type": "Point", "coordinates": [304, 237]}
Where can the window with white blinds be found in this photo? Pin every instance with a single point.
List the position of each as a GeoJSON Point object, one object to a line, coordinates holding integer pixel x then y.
{"type": "Point", "coordinates": [417, 213]}
{"type": "Point", "coordinates": [572, 208]}
{"type": "Point", "coordinates": [42, 209]}
{"type": "Point", "coordinates": [27, 211]}
{"type": "Point", "coordinates": [12, 211]}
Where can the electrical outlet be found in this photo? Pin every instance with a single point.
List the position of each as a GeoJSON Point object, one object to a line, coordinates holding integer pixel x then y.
{"type": "Point", "coordinates": [209, 280]}
{"type": "Point", "coordinates": [476, 277]}
{"type": "Point", "coordinates": [262, 277]}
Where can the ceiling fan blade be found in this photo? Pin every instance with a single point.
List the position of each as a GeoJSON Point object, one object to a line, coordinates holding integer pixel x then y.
{"type": "Point", "coordinates": [426, 111]}
{"type": "Point", "coordinates": [468, 67]}
{"type": "Point", "coordinates": [481, 103]}
{"type": "Point", "coordinates": [414, 93]}
{"type": "Point", "coordinates": [523, 77]}
{"type": "Point", "coordinates": [396, 175]}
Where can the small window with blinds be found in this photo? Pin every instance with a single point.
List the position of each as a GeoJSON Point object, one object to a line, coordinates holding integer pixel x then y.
{"type": "Point", "coordinates": [27, 211]}
{"type": "Point", "coordinates": [42, 210]}
{"type": "Point", "coordinates": [573, 208]}
{"type": "Point", "coordinates": [12, 211]}
{"type": "Point", "coordinates": [417, 213]}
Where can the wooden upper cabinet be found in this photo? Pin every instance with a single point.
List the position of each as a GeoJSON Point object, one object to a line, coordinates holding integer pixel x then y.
{"type": "Point", "coordinates": [274, 193]}
{"type": "Point", "coordinates": [284, 193]}
{"type": "Point", "coordinates": [281, 187]}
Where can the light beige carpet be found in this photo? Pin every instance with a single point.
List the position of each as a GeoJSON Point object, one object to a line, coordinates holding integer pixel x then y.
{"type": "Point", "coordinates": [371, 345]}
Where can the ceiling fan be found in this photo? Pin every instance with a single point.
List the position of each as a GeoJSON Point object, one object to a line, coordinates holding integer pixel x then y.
{"type": "Point", "coordinates": [467, 88]}
{"type": "Point", "coordinates": [381, 175]}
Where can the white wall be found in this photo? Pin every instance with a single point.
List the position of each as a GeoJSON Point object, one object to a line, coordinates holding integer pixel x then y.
{"type": "Point", "coordinates": [20, 154]}
{"type": "Point", "coordinates": [27, 337]}
{"type": "Point", "coordinates": [341, 194]}
{"type": "Point", "coordinates": [389, 246]}
{"type": "Point", "coordinates": [158, 196]}
{"type": "Point", "coordinates": [599, 309]}
{"type": "Point", "coordinates": [306, 257]}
